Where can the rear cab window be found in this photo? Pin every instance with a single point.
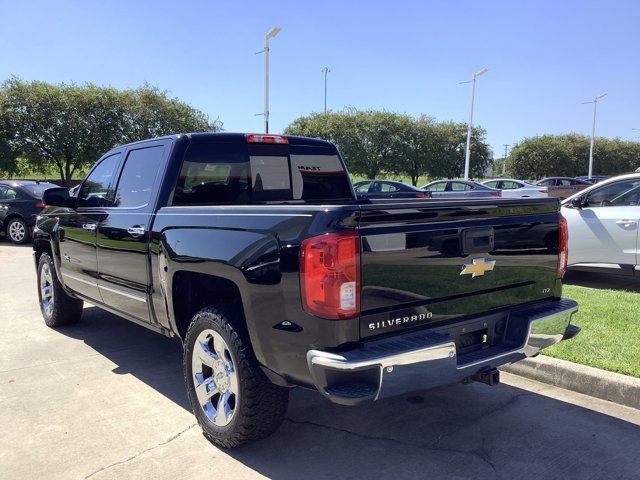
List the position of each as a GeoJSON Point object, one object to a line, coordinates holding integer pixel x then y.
{"type": "Point", "coordinates": [219, 173]}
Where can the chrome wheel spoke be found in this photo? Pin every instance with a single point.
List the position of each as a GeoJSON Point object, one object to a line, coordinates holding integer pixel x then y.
{"type": "Point", "coordinates": [234, 385]}
{"type": "Point", "coordinates": [219, 347]}
{"type": "Point", "coordinates": [205, 390]}
{"type": "Point", "coordinates": [223, 410]}
{"type": "Point", "coordinates": [206, 356]}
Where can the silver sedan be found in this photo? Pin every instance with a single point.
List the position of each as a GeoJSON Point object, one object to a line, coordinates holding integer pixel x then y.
{"type": "Point", "coordinates": [512, 188]}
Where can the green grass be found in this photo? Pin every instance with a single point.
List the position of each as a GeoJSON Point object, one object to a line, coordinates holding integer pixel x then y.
{"type": "Point", "coordinates": [610, 336]}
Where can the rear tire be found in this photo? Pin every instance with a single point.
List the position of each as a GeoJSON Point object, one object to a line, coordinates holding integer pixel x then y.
{"type": "Point", "coordinates": [18, 231]}
{"type": "Point", "coordinates": [57, 307]}
{"type": "Point", "coordinates": [231, 397]}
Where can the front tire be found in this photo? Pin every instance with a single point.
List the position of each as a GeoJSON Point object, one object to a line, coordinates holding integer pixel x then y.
{"type": "Point", "coordinates": [232, 399]}
{"type": "Point", "coordinates": [57, 307]}
{"type": "Point", "coordinates": [18, 231]}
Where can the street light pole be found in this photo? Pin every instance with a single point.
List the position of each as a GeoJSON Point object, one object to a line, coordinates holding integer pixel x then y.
{"type": "Point", "coordinates": [504, 162]}
{"type": "Point", "coordinates": [265, 113]}
{"type": "Point", "coordinates": [470, 126]}
{"type": "Point", "coordinates": [325, 70]}
{"type": "Point", "coordinates": [593, 130]}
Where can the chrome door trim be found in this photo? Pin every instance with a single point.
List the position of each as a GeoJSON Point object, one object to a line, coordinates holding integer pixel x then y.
{"type": "Point", "coordinates": [124, 294]}
{"type": "Point", "coordinates": [77, 279]}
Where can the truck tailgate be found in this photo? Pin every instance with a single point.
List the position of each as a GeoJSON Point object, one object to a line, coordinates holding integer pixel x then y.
{"type": "Point", "coordinates": [430, 262]}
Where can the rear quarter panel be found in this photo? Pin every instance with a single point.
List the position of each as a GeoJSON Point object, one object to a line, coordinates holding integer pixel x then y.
{"type": "Point", "coordinates": [258, 249]}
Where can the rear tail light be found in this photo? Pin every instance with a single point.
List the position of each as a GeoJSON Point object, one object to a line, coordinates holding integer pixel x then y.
{"type": "Point", "coordinates": [543, 190]}
{"type": "Point", "coordinates": [259, 138]}
{"type": "Point", "coordinates": [563, 245]}
{"type": "Point", "coordinates": [422, 195]}
{"type": "Point", "coordinates": [330, 275]}
{"type": "Point", "coordinates": [40, 205]}
{"type": "Point", "coordinates": [495, 194]}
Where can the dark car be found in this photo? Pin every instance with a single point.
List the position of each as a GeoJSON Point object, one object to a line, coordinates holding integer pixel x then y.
{"type": "Point", "coordinates": [562, 187]}
{"type": "Point", "coordinates": [459, 189]}
{"type": "Point", "coordinates": [387, 189]}
{"type": "Point", "coordinates": [20, 204]}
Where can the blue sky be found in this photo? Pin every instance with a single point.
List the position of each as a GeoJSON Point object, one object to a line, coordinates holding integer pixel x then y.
{"type": "Point", "coordinates": [545, 57]}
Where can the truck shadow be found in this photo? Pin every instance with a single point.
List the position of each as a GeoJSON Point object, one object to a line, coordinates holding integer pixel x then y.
{"type": "Point", "coordinates": [462, 431]}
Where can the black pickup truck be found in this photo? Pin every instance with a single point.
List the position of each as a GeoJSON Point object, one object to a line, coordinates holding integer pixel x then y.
{"type": "Point", "coordinates": [254, 251]}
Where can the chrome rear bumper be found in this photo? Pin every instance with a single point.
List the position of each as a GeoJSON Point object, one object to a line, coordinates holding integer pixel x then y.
{"type": "Point", "coordinates": [427, 359]}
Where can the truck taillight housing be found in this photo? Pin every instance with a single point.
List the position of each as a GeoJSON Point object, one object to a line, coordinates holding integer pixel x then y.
{"type": "Point", "coordinates": [330, 275]}
{"type": "Point", "coordinates": [563, 245]}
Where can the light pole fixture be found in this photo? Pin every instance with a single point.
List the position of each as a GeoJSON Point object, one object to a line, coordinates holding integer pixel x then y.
{"type": "Point", "coordinates": [470, 126]}
{"type": "Point", "coordinates": [504, 163]}
{"type": "Point", "coordinates": [593, 129]}
{"type": "Point", "coordinates": [325, 70]}
{"type": "Point", "coordinates": [272, 33]}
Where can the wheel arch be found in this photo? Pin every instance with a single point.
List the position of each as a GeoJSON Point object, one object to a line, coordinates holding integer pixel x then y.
{"type": "Point", "coordinates": [192, 291]}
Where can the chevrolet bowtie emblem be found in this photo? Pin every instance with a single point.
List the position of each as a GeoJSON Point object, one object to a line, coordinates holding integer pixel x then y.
{"type": "Point", "coordinates": [478, 267]}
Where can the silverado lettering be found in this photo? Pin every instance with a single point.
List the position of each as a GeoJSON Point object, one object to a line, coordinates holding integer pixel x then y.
{"type": "Point", "coordinates": [272, 274]}
{"type": "Point", "coordinates": [400, 321]}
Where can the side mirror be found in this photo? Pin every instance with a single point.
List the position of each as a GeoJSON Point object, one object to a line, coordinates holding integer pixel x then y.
{"type": "Point", "coordinates": [577, 202]}
{"type": "Point", "coordinates": [58, 197]}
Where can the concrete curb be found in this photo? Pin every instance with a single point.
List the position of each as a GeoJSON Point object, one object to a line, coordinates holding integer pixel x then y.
{"type": "Point", "coordinates": [614, 387]}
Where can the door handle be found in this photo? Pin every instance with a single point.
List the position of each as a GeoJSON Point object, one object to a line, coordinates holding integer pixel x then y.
{"type": "Point", "coordinates": [136, 231]}
{"type": "Point", "coordinates": [89, 227]}
{"type": "Point", "coordinates": [626, 223]}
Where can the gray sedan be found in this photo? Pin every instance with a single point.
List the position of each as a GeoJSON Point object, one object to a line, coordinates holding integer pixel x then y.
{"type": "Point", "coordinates": [459, 189]}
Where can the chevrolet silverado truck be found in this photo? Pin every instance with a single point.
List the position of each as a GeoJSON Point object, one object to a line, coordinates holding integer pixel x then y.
{"type": "Point", "coordinates": [254, 251]}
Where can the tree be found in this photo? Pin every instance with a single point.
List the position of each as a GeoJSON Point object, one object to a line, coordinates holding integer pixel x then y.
{"type": "Point", "coordinates": [451, 148]}
{"type": "Point", "coordinates": [8, 155]}
{"type": "Point", "coordinates": [421, 148]}
{"type": "Point", "coordinates": [568, 155]}
{"type": "Point", "coordinates": [70, 126]}
{"type": "Point", "coordinates": [370, 141]}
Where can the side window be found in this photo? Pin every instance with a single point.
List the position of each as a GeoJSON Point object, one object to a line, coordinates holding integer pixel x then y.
{"type": "Point", "coordinates": [492, 184]}
{"type": "Point", "coordinates": [215, 173]}
{"type": "Point", "coordinates": [546, 183]}
{"type": "Point", "coordinates": [10, 194]}
{"type": "Point", "coordinates": [437, 187]}
{"type": "Point", "coordinates": [364, 188]}
{"type": "Point", "coordinates": [618, 194]}
{"type": "Point", "coordinates": [459, 187]}
{"type": "Point", "coordinates": [565, 182]}
{"type": "Point", "coordinates": [95, 190]}
{"type": "Point", "coordinates": [388, 187]}
{"type": "Point", "coordinates": [2, 192]}
{"type": "Point", "coordinates": [507, 185]}
{"type": "Point", "coordinates": [137, 177]}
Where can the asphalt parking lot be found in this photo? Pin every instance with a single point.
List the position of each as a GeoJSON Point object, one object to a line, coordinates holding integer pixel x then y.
{"type": "Point", "coordinates": [105, 399]}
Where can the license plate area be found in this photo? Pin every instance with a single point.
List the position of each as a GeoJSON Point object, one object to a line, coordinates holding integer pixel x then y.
{"type": "Point", "coordinates": [472, 341]}
{"type": "Point", "coordinates": [478, 334]}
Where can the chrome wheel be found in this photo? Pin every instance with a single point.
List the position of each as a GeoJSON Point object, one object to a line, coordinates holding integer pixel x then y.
{"type": "Point", "coordinates": [215, 378]}
{"type": "Point", "coordinates": [17, 231]}
{"type": "Point", "coordinates": [46, 289]}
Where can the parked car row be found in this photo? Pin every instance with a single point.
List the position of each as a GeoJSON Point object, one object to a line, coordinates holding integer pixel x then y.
{"type": "Point", "coordinates": [559, 187]}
